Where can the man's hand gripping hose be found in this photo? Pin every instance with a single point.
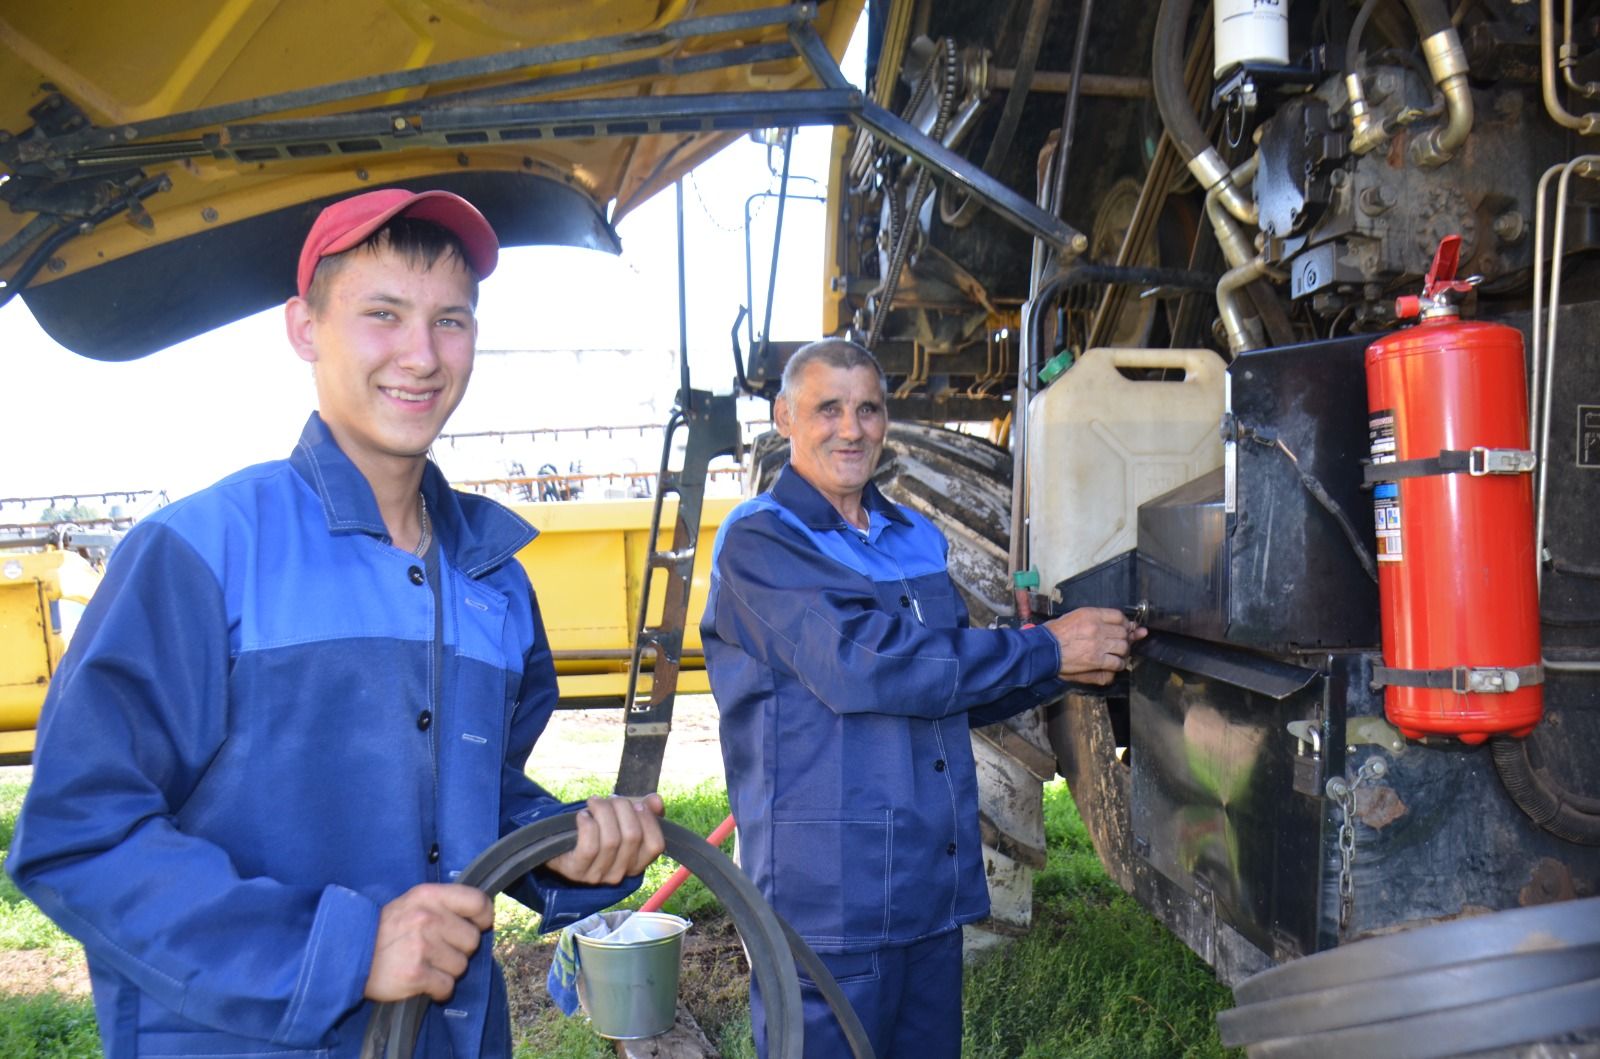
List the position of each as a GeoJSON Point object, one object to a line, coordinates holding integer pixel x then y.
{"type": "Point", "coordinates": [773, 946]}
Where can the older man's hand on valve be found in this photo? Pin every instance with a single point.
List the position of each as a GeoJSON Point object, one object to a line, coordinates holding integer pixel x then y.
{"type": "Point", "coordinates": [1094, 643]}
{"type": "Point", "coordinates": [617, 837]}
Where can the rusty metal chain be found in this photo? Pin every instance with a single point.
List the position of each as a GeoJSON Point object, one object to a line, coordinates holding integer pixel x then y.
{"type": "Point", "coordinates": [1343, 794]}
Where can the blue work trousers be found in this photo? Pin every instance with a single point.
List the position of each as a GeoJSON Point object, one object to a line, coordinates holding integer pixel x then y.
{"type": "Point", "coordinates": [908, 999]}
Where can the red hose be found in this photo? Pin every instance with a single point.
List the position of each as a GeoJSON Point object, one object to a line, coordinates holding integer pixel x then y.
{"type": "Point", "coordinates": [670, 887]}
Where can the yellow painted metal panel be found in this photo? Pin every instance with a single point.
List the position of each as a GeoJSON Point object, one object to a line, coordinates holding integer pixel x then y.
{"type": "Point", "coordinates": [16, 747]}
{"type": "Point", "coordinates": [615, 685]}
{"type": "Point", "coordinates": [587, 566]}
{"type": "Point", "coordinates": [24, 624]}
{"type": "Point", "coordinates": [124, 63]}
{"type": "Point", "coordinates": [31, 645]}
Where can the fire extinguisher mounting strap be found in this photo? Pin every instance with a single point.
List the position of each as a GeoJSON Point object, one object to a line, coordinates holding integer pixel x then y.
{"type": "Point", "coordinates": [1477, 461]}
{"type": "Point", "coordinates": [1463, 680]}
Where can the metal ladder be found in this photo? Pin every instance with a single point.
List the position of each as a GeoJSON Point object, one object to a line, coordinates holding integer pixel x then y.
{"type": "Point", "coordinates": [713, 428]}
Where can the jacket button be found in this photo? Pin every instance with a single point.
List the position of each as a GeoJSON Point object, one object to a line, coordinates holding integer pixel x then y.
{"type": "Point", "coordinates": [415, 573]}
{"type": "Point", "coordinates": [905, 601]}
{"type": "Point", "coordinates": [950, 849]}
{"type": "Point", "coordinates": [938, 766]}
{"type": "Point", "coordinates": [433, 853]}
{"type": "Point", "coordinates": [425, 720]}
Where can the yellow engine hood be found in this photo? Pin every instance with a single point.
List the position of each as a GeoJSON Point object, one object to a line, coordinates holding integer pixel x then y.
{"type": "Point", "coordinates": [216, 234]}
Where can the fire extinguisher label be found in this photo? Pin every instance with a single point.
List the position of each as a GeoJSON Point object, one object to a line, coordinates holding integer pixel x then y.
{"type": "Point", "coordinates": [1385, 495]}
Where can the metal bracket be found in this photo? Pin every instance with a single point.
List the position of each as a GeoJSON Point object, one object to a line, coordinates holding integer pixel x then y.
{"type": "Point", "coordinates": [1373, 731]}
{"type": "Point", "coordinates": [1309, 731]}
{"type": "Point", "coordinates": [1482, 461]}
{"type": "Point", "coordinates": [1465, 680]}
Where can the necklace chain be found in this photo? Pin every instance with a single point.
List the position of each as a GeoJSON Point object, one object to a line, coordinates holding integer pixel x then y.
{"type": "Point", "coordinates": [426, 537]}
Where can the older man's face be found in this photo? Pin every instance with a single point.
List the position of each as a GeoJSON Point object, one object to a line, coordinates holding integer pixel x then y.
{"type": "Point", "coordinates": [835, 422]}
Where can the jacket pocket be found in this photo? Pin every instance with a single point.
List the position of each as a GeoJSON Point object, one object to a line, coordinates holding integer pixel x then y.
{"type": "Point", "coordinates": [830, 874]}
{"type": "Point", "coordinates": [941, 605]}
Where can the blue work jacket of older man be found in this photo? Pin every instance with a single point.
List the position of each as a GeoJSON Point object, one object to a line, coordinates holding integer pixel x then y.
{"type": "Point", "coordinates": [847, 678]}
{"type": "Point", "coordinates": [271, 722]}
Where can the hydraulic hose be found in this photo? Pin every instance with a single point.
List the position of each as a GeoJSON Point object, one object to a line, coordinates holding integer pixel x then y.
{"type": "Point", "coordinates": [1166, 74]}
{"type": "Point", "coordinates": [773, 946]}
{"type": "Point", "coordinates": [67, 230]}
{"type": "Point", "coordinates": [1172, 100]}
{"type": "Point", "coordinates": [1430, 16]}
{"type": "Point", "coordinates": [1366, 132]}
{"type": "Point", "coordinates": [1352, 46]}
{"type": "Point", "coordinates": [1447, 64]}
{"type": "Point", "coordinates": [1566, 815]}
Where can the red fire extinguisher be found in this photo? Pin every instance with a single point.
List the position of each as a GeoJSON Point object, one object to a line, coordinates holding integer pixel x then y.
{"type": "Point", "coordinates": [1453, 505]}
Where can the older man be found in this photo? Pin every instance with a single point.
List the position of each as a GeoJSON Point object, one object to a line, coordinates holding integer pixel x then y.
{"type": "Point", "coordinates": [847, 676]}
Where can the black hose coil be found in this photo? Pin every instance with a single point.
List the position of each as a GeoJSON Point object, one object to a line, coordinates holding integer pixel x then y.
{"type": "Point", "coordinates": [770, 942]}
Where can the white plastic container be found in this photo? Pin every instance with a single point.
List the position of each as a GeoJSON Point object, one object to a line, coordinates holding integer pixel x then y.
{"type": "Point", "coordinates": [1101, 443]}
{"type": "Point", "coordinates": [1250, 31]}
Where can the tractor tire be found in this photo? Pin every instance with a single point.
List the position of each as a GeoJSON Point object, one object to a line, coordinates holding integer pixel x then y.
{"type": "Point", "coordinates": [962, 484]}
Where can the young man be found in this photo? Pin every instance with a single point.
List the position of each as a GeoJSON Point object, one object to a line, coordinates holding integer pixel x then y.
{"type": "Point", "coordinates": [847, 678]}
{"type": "Point", "coordinates": [301, 702]}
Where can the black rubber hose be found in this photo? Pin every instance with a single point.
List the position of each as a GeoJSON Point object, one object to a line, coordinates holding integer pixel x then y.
{"type": "Point", "coordinates": [69, 230]}
{"type": "Point", "coordinates": [392, 1029]}
{"type": "Point", "coordinates": [1563, 814]}
{"type": "Point", "coordinates": [1431, 16]}
{"type": "Point", "coordinates": [1352, 47]}
{"type": "Point", "coordinates": [1166, 74]}
{"type": "Point", "coordinates": [960, 214]}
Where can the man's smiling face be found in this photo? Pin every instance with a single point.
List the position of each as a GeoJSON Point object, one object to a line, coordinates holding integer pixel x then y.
{"type": "Point", "coordinates": [835, 422]}
{"type": "Point", "coordinates": [392, 342]}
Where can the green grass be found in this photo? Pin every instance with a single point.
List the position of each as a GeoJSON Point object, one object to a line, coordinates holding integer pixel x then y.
{"type": "Point", "coordinates": [22, 925]}
{"type": "Point", "coordinates": [1097, 978]}
{"type": "Point", "coordinates": [49, 1026]}
{"type": "Point", "coordinates": [554, 1036]}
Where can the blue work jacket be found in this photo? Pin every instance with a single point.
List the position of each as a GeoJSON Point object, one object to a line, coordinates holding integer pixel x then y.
{"type": "Point", "coordinates": [846, 678]}
{"type": "Point", "coordinates": [264, 730]}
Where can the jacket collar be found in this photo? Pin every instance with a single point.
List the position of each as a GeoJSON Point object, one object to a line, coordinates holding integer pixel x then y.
{"type": "Point", "coordinates": [801, 497]}
{"type": "Point", "coordinates": [476, 533]}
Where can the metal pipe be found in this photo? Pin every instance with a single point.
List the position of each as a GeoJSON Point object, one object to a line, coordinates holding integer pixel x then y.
{"type": "Point", "coordinates": [777, 239]}
{"type": "Point", "coordinates": [1539, 218]}
{"type": "Point", "coordinates": [1588, 165]}
{"type": "Point", "coordinates": [1101, 86]}
{"type": "Point", "coordinates": [1236, 247]}
{"type": "Point", "coordinates": [1588, 162]}
{"type": "Point", "coordinates": [1069, 118]}
{"type": "Point", "coordinates": [1588, 89]}
{"type": "Point", "coordinates": [1240, 340]}
{"type": "Point", "coordinates": [1447, 62]}
{"type": "Point", "coordinates": [1587, 124]}
{"type": "Point", "coordinates": [683, 315]}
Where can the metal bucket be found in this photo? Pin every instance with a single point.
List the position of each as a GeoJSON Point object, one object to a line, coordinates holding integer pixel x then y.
{"type": "Point", "coordinates": [630, 988]}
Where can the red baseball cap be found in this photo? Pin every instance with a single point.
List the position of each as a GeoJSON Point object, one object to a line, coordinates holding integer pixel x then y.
{"type": "Point", "coordinates": [348, 222]}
